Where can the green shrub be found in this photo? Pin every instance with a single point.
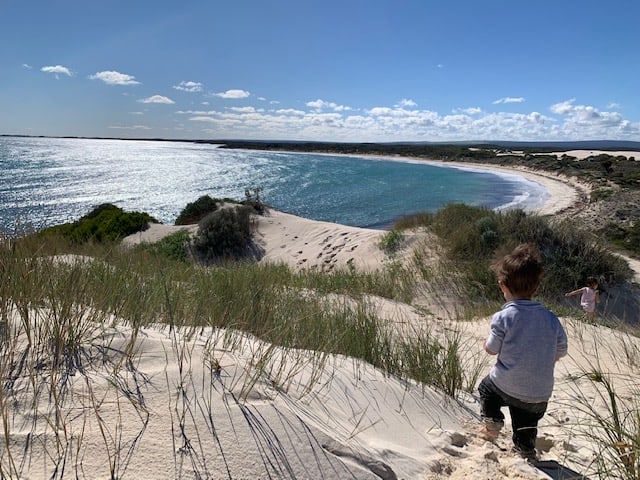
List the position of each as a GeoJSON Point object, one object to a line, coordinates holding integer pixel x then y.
{"type": "Point", "coordinates": [105, 223]}
{"type": "Point", "coordinates": [391, 242]}
{"type": "Point", "coordinates": [225, 234]}
{"type": "Point", "coordinates": [193, 212]}
{"type": "Point", "coordinates": [173, 247]}
{"type": "Point", "coordinates": [627, 238]}
{"type": "Point", "coordinates": [416, 220]}
{"type": "Point", "coordinates": [473, 235]}
{"type": "Point", "coordinates": [600, 194]}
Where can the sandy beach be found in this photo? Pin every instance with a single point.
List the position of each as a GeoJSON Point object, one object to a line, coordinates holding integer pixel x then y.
{"type": "Point", "coordinates": [189, 406]}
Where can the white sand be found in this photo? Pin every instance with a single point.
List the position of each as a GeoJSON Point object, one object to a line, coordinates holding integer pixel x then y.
{"type": "Point", "coordinates": [582, 154]}
{"type": "Point", "coordinates": [205, 406]}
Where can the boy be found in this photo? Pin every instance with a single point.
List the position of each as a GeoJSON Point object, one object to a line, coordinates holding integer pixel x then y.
{"type": "Point", "coordinates": [528, 339]}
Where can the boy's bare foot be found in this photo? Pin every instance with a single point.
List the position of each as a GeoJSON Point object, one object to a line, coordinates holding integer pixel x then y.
{"type": "Point", "coordinates": [491, 430]}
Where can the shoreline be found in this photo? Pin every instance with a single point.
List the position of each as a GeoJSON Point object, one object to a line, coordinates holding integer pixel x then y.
{"type": "Point", "coordinates": [564, 192]}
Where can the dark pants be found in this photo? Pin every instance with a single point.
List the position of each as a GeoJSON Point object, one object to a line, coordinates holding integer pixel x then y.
{"type": "Point", "coordinates": [524, 416]}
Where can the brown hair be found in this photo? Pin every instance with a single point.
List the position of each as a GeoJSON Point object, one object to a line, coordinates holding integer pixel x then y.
{"type": "Point", "coordinates": [521, 270]}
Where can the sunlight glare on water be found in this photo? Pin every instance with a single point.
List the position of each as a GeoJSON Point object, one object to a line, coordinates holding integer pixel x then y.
{"type": "Point", "coordinates": [49, 181]}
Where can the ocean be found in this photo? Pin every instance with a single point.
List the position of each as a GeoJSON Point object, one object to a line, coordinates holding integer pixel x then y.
{"type": "Point", "coordinates": [49, 181]}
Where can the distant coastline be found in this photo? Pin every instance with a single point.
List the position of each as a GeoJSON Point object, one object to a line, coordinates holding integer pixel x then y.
{"type": "Point", "coordinates": [348, 147]}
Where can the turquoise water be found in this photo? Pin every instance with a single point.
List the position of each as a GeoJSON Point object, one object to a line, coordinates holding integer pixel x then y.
{"type": "Point", "coordinates": [48, 181]}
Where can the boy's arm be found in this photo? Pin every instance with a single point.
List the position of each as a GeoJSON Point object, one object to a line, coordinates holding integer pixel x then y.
{"type": "Point", "coordinates": [562, 347]}
{"type": "Point", "coordinates": [488, 350]}
{"type": "Point", "coordinates": [493, 343]}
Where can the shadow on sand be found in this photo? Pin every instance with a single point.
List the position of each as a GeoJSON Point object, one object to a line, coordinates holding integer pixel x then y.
{"type": "Point", "coordinates": [557, 471]}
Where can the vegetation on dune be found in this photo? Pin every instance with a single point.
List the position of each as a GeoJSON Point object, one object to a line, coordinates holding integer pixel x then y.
{"type": "Point", "coordinates": [473, 236]}
{"type": "Point", "coordinates": [225, 234]}
{"type": "Point", "coordinates": [105, 223]}
{"type": "Point", "coordinates": [193, 212]}
{"type": "Point", "coordinates": [625, 237]}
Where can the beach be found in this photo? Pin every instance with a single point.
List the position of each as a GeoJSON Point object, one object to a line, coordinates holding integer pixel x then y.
{"type": "Point", "coordinates": [223, 404]}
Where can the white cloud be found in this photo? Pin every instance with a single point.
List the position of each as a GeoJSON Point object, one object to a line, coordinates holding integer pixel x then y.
{"type": "Point", "coordinates": [58, 69]}
{"type": "Point", "coordinates": [614, 106]}
{"type": "Point", "coordinates": [290, 111]}
{"type": "Point", "coordinates": [563, 108]}
{"type": "Point", "coordinates": [201, 118]}
{"type": "Point", "coordinates": [111, 77]}
{"type": "Point", "coordinates": [509, 100]}
{"type": "Point", "coordinates": [129, 127]}
{"type": "Point", "coordinates": [27, 66]}
{"type": "Point", "coordinates": [383, 123]}
{"type": "Point", "coordinates": [405, 102]}
{"type": "Point", "coordinates": [245, 109]}
{"type": "Point", "coordinates": [469, 110]}
{"type": "Point", "coordinates": [322, 105]}
{"type": "Point", "coordinates": [234, 94]}
{"type": "Point", "coordinates": [587, 116]}
{"type": "Point", "coordinates": [196, 112]}
{"type": "Point", "coordinates": [157, 99]}
{"type": "Point", "coordinates": [189, 86]}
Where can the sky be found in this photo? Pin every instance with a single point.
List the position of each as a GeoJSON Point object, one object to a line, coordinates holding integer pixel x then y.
{"type": "Point", "coordinates": [330, 70]}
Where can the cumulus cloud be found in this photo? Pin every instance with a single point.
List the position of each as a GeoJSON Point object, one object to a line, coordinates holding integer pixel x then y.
{"type": "Point", "coordinates": [322, 105]}
{"type": "Point", "coordinates": [405, 102]}
{"type": "Point", "coordinates": [57, 69]}
{"type": "Point", "coordinates": [587, 116]}
{"type": "Point", "coordinates": [563, 108]}
{"type": "Point", "coordinates": [129, 127]}
{"type": "Point", "coordinates": [509, 100]}
{"type": "Point", "coordinates": [189, 86]}
{"type": "Point", "coordinates": [196, 112]}
{"type": "Point", "coordinates": [245, 109]}
{"type": "Point", "coordinates": [290, 111]}
{"type": "Point", "coordinates": [320, 121]}
{"type": "Point", "coordinates": [233, 94]}
{"type": "Point", "coordinates": [201, 118]}
{"type": "Point", "coordinates": [111, 77]}
{"type": "Point", "coordinates": [469, 110]}
{"type": "Point", "coordinates": [157, 99]}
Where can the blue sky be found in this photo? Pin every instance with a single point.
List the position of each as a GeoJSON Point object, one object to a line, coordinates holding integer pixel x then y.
{"type": "Point", "coordinates": [330, 70]}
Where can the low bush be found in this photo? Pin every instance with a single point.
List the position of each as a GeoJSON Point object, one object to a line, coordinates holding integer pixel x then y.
{"type": "Point", "coordinates": [627, 238]}
{"type": "Point", "coordinates": [173, 247]}
{"type": "Point", "coordinates": [105, 223]}
{"type": "Point", "coordinates": [391, 242]}
{"type": "Point", "coordinates": [225, 234]}
{"type": "Point", "coordinates": [193, 212]}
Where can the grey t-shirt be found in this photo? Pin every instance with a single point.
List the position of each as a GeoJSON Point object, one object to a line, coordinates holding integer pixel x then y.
{"type": "Point", "coordinates": [528, 339]}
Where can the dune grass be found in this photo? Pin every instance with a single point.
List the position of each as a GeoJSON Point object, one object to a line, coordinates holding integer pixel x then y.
{"type": "Point", "coordinates": [58, 314]}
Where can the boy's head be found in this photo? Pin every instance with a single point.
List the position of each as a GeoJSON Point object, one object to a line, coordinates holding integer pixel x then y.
{"type": "Point", "coordinates": [520, 271]}
{"type": "Point", "coordinates": [592, 282]}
